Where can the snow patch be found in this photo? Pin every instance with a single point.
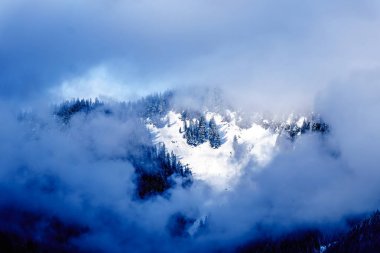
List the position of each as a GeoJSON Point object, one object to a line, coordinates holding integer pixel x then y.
{"type": "Point", "coordinates": [220, 167]}
{"type": "Point", "coordinates": [301, 121]}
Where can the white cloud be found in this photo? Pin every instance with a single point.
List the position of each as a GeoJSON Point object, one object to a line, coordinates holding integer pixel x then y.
{"type": "Point", "coordinates": [282, 51]}
{"type": "Point", "coordinates": [99, 82]}
{"type": "Point", "coordinates": [93, 84]}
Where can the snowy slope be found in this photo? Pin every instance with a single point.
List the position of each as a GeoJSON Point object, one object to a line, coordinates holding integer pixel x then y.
{"type": "Point", "coordinates": [218, 167]}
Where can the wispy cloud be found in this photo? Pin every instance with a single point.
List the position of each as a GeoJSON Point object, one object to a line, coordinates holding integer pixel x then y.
{"type": "Point", "coordinates": [266, 55]}
{"type": "Point", "coordinates": [276, 50]}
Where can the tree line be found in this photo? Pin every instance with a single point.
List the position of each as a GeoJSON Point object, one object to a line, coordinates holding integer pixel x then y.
{"type": "Point", "coordinates": [199, 131]}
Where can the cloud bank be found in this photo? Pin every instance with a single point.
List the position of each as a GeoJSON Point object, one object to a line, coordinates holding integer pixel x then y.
{"type": "Point", "coordinates": [75, 173]}
{"type": "Point", "coordinates": [284, 52]}
{"type": "Point", "coordinates": [272, 55]}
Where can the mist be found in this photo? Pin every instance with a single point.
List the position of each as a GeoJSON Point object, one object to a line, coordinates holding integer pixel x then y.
{"type": "Point", "coordinates": [74, 173]}
{"type": "Point", "coordinates": [265, 56]}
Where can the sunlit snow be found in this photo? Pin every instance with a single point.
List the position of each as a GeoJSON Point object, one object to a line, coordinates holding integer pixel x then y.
{"type": "Point", "coordinates": [219, 167]}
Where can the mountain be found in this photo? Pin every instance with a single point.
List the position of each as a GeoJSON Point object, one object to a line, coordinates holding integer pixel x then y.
{"type": "Point", "coordinates": [254, 144]}
{"type": "Point", "coordinates": [119, 161]}
{"type": "Point", "coordinates": [229, 142]}
{"type": "Point", "coordinates": [364, 237]}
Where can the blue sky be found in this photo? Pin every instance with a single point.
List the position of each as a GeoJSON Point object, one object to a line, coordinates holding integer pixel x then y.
{"type": "Point", "coordinates": [282, 50]}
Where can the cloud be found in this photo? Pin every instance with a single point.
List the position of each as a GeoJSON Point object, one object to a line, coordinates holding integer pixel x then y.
{"type": "Point", "coordinates": [96, 84]}
{"type": "Point", "coordinates": [317, 182]}
{"type": "Point", "coordinates": [266, 55]}
{"type": "Point", "coordinates": [351, 106]}
{"type": "Point", "coordinates": [103, 83]}
{"type": "Point", "coordinates": [276, 50]}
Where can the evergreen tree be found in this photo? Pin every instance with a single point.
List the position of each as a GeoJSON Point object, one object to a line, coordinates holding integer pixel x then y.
{"type": "Point", "coordinates": [214, 136]}
{"type": "Point", "coordinates": [192, 134]}
{"type": "Point", "coordinates": [155, 167]}
{"type": "Point", "coordinates": [202, 130]}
